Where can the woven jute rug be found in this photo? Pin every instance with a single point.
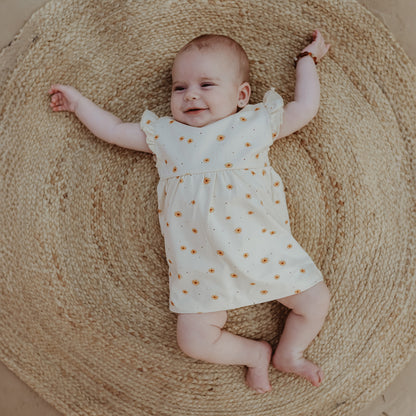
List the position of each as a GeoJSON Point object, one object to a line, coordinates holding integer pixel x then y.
{"type": "Point", "coordinates": [84, 317]}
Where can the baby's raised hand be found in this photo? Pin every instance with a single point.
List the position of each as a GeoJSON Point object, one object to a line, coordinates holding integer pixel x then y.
{"type": "Point", "coordinates": [317, 47]}
{"type": "Point", "coordinates": [64, 98]}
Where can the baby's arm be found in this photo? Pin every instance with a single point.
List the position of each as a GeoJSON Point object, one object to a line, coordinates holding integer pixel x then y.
{"type": "Point", "coordinates": [101, 123]}
{"type": "Point", "coordinates": [304, 108]}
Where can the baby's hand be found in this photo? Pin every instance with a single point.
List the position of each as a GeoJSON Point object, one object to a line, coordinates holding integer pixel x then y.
{"type": "Point", "coordinates": [318, 47]}
{"type": "Point", "coordinates": [64, 98]}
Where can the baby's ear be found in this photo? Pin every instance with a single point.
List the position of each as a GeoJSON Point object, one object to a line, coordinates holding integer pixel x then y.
{"type": "Point", "coordinates": [244, 92]}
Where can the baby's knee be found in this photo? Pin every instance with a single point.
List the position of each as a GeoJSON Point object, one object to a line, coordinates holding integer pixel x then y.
{"type": "Point", "coordinates": [320, 299]}
{"type": "Point", "coordinates": [195, 334]}
{"type": "Point", "coordinates": [313, 303]}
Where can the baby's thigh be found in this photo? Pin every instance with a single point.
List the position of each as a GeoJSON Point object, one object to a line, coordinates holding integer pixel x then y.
{"type": "Point", "coordinates": [195, 321]}
{"type": "Point", "coordinates": [192, 327]}
{"type": "Point", "coordinates": [314, 300]}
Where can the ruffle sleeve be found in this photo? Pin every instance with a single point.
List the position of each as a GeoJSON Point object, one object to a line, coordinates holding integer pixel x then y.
{"type": "Point", "coordinates": [147, 124]}
{"type": "Point", "coordinates": [273, 103]}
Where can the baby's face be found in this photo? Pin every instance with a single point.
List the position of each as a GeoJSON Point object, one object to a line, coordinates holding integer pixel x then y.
{"type": "Point", "coordinates": [205, 86]}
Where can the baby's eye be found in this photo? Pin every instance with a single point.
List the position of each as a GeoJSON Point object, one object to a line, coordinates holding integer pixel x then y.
{"type": "Point", "coordinates": [207, 84]}
{"type": "Point", "coordinates": [178, 88]}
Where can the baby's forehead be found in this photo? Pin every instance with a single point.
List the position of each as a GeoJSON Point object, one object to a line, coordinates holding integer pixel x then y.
{"type": "Point", "coordinates": [220, 53]}
{"type": "Point", "coordinates": [219, 48]}
{"type": "Point", "coordinates": [217, 51]}
{"type": "Point", "coordinates": [205, 65]}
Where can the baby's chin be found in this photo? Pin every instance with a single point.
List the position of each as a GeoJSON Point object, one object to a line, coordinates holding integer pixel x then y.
{"type": "Point", "coordinates": [198, 120]}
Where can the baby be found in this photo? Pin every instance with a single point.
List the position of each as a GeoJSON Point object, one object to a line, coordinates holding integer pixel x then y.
{"type": "Point", "coordinates": [222, 207]}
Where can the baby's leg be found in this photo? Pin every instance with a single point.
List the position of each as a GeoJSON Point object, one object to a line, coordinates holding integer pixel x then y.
{"type": "Point", "coordinates": [201, 336]}
{"type": "Point", "coordinates": [304, 322]}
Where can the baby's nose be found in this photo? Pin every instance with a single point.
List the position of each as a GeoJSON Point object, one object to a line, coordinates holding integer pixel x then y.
{"type": "Point", "coordinates": [191, 94]}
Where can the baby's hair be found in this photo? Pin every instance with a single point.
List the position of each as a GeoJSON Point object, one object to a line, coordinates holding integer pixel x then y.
{"type": "Point", "coordinates": [213, 41]}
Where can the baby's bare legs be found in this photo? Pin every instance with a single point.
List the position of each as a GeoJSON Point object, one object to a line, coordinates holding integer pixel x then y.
{"type": "Point", "coordinates": [201, 336]}
{"type": "Point", "coordinates": [309, 310]}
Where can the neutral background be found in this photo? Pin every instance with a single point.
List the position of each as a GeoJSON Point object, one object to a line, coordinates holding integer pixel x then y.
{"type": "Point", "coordinates": [399, 399]}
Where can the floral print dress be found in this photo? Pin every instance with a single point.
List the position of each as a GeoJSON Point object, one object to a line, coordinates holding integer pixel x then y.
{"type": "Point", "coordinates": [223, 213]}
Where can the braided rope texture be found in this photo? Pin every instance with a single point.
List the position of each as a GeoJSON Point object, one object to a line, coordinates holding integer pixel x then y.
{"type": "Point", "coordinates": [84, 316]}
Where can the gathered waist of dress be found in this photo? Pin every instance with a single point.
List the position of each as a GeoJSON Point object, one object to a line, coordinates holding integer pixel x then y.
{"type": "Point", "coordinates": [180, 173]}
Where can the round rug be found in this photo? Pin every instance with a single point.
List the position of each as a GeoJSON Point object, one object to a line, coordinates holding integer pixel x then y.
{"type": "Point", "coordinates": [84, 317]}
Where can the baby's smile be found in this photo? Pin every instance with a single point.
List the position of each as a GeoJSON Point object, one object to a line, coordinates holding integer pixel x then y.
{"type": "Point", "coordinates": [195, 110]}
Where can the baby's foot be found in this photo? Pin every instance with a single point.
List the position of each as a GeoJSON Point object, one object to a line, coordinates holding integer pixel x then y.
{"type": "Point", "coordinates": [257, 377]}
{"type": "Point", "coordinates": [300, 366]}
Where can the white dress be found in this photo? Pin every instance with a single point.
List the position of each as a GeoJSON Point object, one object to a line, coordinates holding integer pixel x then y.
{"type": "Point", "coordinates": [223, 213]}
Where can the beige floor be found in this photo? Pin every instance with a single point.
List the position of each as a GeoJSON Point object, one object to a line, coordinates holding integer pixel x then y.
{"type": "Point", "coordinates": [399, 399]}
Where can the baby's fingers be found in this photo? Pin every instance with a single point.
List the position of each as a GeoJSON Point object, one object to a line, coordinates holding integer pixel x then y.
{"type": "Point", "coordinates": [58, 107]}
{"type": "Point", "coordinates": [55, 88]}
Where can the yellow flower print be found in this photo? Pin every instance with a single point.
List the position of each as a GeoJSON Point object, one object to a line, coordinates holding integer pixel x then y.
{"type": "Point", "coordinates": [252, 284]}
{"type": "Point", "coordinates": [174, 169]}
{"type": "Point", "coordinates": [185, 292]}
{"type": "Point", "coordinates": [229, 186]}
{"type": "Point", "coordinates": [276, 184]}
{"type": "Point", "coordinates": [297, 291]}
{"type": "Point", "coordinates": [220, 138]}
{"type": "Point", "coordinates": [156, 137]}
{"type": "Point", "coordinates": [264, 292]}
{"type": "Point", "coordinates": [282, 262]}
{"type": "Point", "coordinates": [257, 156]}
{"type": "Point", "coordinates": [277, 202]}
{"type": "Point", "coordinates": [190, 140]}
{"type": "Point", "coordinates": [220, 252]}
{"type": "Point", "coordinates": [243, 119]}
{"type": "Point", "coordinates": [183, 247]}
{"type": "Point", "coordinates": [245, 255]}
{"type": "Point", "coordinates": [193, 251]}
{"type": "Point", "coordinates": [171, 121]}
{"type": "Point", "coordinates": [238, 230]}
{"type": "Point", "coordinates": [207, 181]}
{"type": "Point", "coordinates": [181, 138]}
{"type": "Point", "coordinates": [179, 276]}
{"type": "Point", "coordinates": [257, 109]}
{"type": "Point", "coordinates": [228, 217]}
{"type": "Point", "coordinates": [276, 276]}
{"type": "Point", "coordinates": [148, 122]}
{"type": "Point", "coordinates": [211, 270]}
{"type": "Point", "coordinates": [302, 270]}
{"type": "Point", "coordinates": [228, 165]}
{"type": "Point", "coordinates": [234, 275]}
{"type": "Point", "coordinates": [195, 282]}
{"type": "Point", "coordinates": [248, 144]}
{"type": "Point", "coordinates": [263, 230]}
{"type": "Point", "coordinates": [193, 202]}
{"type": "Point", "coordinates": [206, 160]}
{"type": "Point", "coordinates": [178, 214]}
{"type": "Point", "coordinates": [211, 209]}
{"type": "Point", "coordinates": [194, 230]}
{"type": "Point", "coordinates": [272, 232]}
{"type": "Point", "coordinates": [250, 212]}
{"type": "Point", "coordinates": [289, 246]}
{"type": "Point", "coordinates": [215, 297]}
{"type": "Point", "coordinates": [248, 196]}
{"type": "Point", "coordinates": [264, 260]}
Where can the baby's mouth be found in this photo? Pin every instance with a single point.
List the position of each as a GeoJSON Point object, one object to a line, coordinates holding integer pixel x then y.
{"type": "Point", "coordinates": [195, 110]}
